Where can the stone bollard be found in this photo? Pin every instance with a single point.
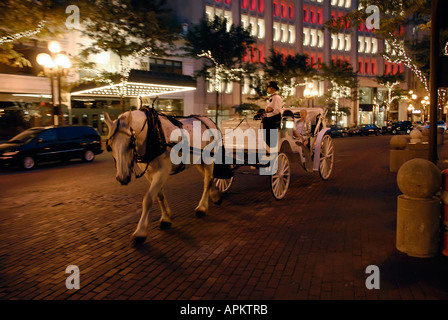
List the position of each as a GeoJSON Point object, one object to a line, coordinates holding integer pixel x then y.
{"type": "Point", "coordinates": [418, 209]}
{"type": "Point", "coordinates": [398, 153]}
{"type": "Point", "coordinates": [416, 136]}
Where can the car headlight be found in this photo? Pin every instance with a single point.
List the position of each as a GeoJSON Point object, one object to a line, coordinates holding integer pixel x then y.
{"type": "Point", "coordinates": [10, 153]}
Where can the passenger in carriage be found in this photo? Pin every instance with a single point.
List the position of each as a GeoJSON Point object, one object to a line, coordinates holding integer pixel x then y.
{"type": "Point", "coordinates": [302, 127]}
{"type": "Point", "coordinates": [301, 133]}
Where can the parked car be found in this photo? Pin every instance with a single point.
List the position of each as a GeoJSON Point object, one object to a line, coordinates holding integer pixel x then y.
{"type": "Point", "coordinates": [337, 131]}
{"type": "Point", "coordinates": [398, 127]}
{"type": "Point", "coordinates": [365, 130]}
{"type": "Point", "coordinates": [41, 144]}
{"type": "Point", "coordinates": [369, 129]}
{"type": "Point", "coordinates": [440, 124]}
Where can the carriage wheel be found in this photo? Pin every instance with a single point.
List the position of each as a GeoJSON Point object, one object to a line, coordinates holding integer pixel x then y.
{"type": "Point", "coordinates": [280, 180]}
{"type": "Point", "coordinates": [223, 185]}
{"type": "Point", "coordinates": [326, 157]}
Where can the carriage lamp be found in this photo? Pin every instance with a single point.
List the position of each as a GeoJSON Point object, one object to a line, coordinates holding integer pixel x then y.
{"type": "Point", "coordinates": [55, 66]}
{"type": "Point", "coordinates": [289, 124]}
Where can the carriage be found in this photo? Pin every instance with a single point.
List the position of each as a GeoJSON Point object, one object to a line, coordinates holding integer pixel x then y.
{"type": "Point", "coordinates": [313, 151]}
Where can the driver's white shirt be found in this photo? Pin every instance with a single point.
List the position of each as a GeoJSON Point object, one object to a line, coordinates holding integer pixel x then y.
{"type": "Point", "coordinates": [276, 103]}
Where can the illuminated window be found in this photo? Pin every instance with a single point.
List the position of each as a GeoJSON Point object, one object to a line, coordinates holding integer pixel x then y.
{"type": "Point", "coordinates": [261, 6]}
{"type": "Point", "coordinates": [253, 4]}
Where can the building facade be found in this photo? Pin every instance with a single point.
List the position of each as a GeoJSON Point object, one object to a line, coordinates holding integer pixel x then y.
{"type": "Point", "coordinates": [297, 26]}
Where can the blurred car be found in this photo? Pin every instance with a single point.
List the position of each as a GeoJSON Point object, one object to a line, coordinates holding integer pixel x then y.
{"type": "Point", "coordinates": [337, 131]}
{"type": "Point", "coordinates": [398, 127]}
{"type": "Point", "coordinates": [364, 130]}
{"type": "Point", "coordinates": [369, 129]}
{"type": "Point", "coordinates": [354, 131]}
{"type": "Point", "coordinates": [41, 144]}
{"type": "Point", "coordinates": [440, 124]}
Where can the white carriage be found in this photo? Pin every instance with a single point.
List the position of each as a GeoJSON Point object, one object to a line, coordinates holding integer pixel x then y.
{"type": "Point", "coordinates": [318, 157]}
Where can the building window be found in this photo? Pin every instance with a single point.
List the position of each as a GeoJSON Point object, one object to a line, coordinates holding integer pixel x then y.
{"type": "Point", "coordinates": [165, 66]}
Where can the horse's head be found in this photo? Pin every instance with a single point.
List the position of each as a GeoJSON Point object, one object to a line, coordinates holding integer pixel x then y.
{"type": "Point", "coordinates": [121, 142]}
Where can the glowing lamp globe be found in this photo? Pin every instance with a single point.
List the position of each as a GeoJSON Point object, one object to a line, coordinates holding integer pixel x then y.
{"type": "Point", "coordinates": [45, 60]}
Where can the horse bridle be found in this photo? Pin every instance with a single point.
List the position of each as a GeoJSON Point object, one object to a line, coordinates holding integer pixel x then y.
{"type": "Point", "coordinates": [132, 145]}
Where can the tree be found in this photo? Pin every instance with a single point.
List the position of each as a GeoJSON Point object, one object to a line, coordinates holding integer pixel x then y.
{"type": "Point", "coordinates": [29, 19]}
{"type": "Point", "coordinates": [343, 83]}
{"type": "Point", "coordinates": [129, 29]}
{"type": "Point", "coordinates": [391, 81]}
{"type": "Point", "coordinates": [399, 17]}
{"type": "Point", "coordinates": [288, 71]}
{"type": "Point", "coordinates": [223, 47]}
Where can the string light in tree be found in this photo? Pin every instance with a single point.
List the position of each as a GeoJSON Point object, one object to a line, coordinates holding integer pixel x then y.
{"type": "Point", "coordinates": [402, 57]}
{"type": "Point", "coordinates": [222, 73]}
{"type": "Point", "coordinates": [25, 34]}
{"type": "Point", "coordinates": [125, 70]}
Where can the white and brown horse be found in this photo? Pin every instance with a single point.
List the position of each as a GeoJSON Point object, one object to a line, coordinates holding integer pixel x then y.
{"type": "Point", "coordinates": [127, 139]}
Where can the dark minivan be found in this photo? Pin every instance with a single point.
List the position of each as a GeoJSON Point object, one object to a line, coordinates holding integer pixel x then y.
{"type": "Point", "coordinates": [42, 144]}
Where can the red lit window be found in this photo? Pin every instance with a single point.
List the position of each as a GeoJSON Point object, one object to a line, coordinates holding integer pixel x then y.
{"type": "Point", "coordinates": [244, 4]}
{"type": "Point", "coordinates": [373, 68]}
{"type": "Point", "coordinates": [261, 54]}
{"type": "Point", "coordinates": [261, 6]}
{"type": "Point", "coordinates": [246, 57]}
{"type": "Point", "coordinates": [367, 67]}
{"type": "Point", "coordinates": [276, 9]}
{"type": "Point", "coordinates": [218, 0]}
{"type": "Point", "coordinates": [386, 68]}
{"type": "Point", "coordinates": [253, 5]}
{"type": "Point", "coordinates": [227, 2]}
{"type": "Point", "coordinates": [361, 26]}
{"type": "Point", "coordinates": [312, 16]}
{"type": "Point", "coordinates": [291, 12]}
{"type": "Point", "coordinates": [401, 66]}
{"type": "Point", "coordinates": [253, 55]}
{"type": "Point", "coordinates": [360, 67]}
{"type": "Point", "coordinates": [320, 16]}
{"type": "Point", "coordinates": [333, 17]}
{"type": "Point", "coordinates": [283, 11]}
{"type": "Point", "coordinates": [305, 15]}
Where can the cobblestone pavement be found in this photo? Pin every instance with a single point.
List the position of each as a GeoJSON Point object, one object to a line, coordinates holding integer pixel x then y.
{"type": "Point", "coordinates": [314, 244]}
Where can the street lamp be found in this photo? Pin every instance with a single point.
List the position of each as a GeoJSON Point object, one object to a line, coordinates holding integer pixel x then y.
{"type": "Point", "coordinates": [425, 102]}
{"type": "Point", "coordinates": [310, 93]}
{"type": "Point", "coordinates": [57, 65]}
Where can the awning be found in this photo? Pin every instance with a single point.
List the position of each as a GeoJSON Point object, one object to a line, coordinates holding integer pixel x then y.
{"type": "Point", "coordinates": [140, 84]}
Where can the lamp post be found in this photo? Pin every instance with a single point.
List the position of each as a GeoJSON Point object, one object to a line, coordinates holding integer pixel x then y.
{"type": "Point", "coordinates": [425, 103]}
{"type": "Point", "coordinates": [55, 65]}
{"type": "Point", "coordinates": [310, 93]}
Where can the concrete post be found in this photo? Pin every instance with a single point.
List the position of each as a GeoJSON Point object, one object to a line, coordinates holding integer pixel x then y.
{"type": "Point", "coordinates": [398, 153]}
{"type": "Point", "coordinates": [418, 209]}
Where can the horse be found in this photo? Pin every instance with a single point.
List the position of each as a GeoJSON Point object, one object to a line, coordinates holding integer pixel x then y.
{"type": "Point", "coordinates": [127, 140]}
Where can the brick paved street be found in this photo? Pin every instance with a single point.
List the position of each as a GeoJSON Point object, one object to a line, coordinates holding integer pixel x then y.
{"type": "Point", "coordinates": [315, 244]}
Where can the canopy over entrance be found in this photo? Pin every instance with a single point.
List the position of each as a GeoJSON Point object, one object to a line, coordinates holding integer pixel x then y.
{"type": "Point", "coordinates": [140, 84]}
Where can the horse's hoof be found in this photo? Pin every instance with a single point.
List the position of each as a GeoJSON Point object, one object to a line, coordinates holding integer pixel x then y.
{"type": "Point", "coordinates": [200, 213]}
{"type": "Point", "coordinates": [165, 225]}
{"type": "Point", "coordinates": [218, 202]}
{"type": "Point", "coordinates": [138, 240]}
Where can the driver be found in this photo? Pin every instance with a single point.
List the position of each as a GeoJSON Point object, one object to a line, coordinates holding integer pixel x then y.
{"type": "Point", "coordinates": [272, 116]}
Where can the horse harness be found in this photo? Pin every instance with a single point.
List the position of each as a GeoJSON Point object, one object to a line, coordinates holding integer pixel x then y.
{"type": "Point", "coordinates": [155, 141]}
